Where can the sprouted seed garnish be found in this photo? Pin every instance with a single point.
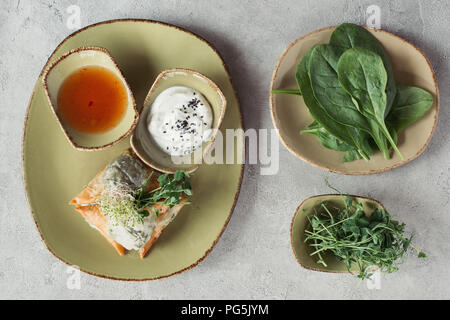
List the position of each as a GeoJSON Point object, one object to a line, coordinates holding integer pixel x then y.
{"type": "Point", "coordinates": [124, 204]}
{"type": "Point", "coordinates": [357, 239]}
{"type": "Point", "coordinates": [117, 202]}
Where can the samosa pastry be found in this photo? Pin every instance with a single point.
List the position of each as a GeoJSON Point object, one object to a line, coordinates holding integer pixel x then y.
{"type": "Point", "coordinates": [130, 205]}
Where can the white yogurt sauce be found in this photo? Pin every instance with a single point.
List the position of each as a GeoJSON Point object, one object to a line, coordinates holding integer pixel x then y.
{"type": "Point", "coordinates": [180, 120]}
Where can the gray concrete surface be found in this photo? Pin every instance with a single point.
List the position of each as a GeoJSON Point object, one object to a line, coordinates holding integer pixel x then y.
{"type": "Point", "coordinates": [253, 258]}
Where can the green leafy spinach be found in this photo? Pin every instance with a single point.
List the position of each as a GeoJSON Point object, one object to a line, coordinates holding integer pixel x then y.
{"type": "Point", "coordinates": [350, 91]}
{"type": "Point", "coordinates": [362, 74]}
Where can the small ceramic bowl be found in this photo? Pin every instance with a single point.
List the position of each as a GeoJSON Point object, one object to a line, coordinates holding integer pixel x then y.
{"type": "Point", "coordinates": [60, 69]}
{"type": "Point", "coordinates": [300, 223]}
{"type": "Point", "coordinates": [143, 144]}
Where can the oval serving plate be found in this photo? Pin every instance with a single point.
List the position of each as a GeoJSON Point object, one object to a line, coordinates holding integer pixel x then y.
{"type": "Point", "coordinates": [54, 171]}
{"type": "Point", "coordinates": [299, 223]}
{"type": "Point", "coordinates": [290, 115]}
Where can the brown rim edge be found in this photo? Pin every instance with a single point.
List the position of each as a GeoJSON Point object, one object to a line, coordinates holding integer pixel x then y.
{"type": "Point", "coordinates": [296, 213]}
{"type": "Point", "coordinates": [52, 107]}
{"type": "Point", "coordinates": [242, 166]}
{"type": "Point", "coordinates": [213, 85]}
{"type": "Point", "coordinates": [291, 149]}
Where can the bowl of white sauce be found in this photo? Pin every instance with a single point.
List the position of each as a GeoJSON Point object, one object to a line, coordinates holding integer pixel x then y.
{"type": "Point", "coordinates": [181, 116]}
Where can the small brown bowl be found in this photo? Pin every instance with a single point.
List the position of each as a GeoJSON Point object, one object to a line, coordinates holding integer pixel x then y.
{"type": "Point", "coordinates": [141, 141]}
{"type": "Point", "coordinates": [60, 69]}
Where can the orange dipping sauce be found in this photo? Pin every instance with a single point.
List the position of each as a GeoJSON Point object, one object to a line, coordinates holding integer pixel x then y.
{"type": "Point", "coordinates": [92, 100]}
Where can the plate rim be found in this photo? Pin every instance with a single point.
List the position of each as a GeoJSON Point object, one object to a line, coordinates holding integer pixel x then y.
{"type": "Point", "coordinates": [26, 118]}
{"type": "Point", "coordinates": [339, 171]}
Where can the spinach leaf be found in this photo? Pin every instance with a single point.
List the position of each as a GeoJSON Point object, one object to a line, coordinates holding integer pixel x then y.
{"type": "Point", "coordinates": [288, 91]}
{"type": "Point", "coordinates": [410, 105]}
{"type": "Point", "coordinates": [334, 99]}
{"type": "Point", "coordinates": [349, 35]}
{"type": "Point", "coordinates": [346, 134]}
{"type": "Point", "coordinates": [379, 139]}
{"type": "Point", "coordinates": [328, 91]}
{"type": "Point", "coordinates": [362, 74]}
{"type": "Point", "coordinates": [331, 142]}
{"type": "Point", "coordinates": [394, 136]}
{"type": "Point", "coordinates": [326, 139]}
{"type": "Point", "coordinates": [351, 155]}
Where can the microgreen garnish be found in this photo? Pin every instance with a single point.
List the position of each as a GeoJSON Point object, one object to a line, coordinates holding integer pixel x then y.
{"type": "Point", "coordinates": [167, 194]}
{"type": "Point", "coordinates": [124, 204]}
{"type": "Point", "coordinates": [357, 239]}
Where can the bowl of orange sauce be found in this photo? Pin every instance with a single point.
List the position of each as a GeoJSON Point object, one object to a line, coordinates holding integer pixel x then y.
{"type": "Point", "coordinates": [90, 98]}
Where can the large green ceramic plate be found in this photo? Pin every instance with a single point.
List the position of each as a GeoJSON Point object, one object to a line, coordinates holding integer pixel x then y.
{"type": "Point", "coordinates": [54, 171]}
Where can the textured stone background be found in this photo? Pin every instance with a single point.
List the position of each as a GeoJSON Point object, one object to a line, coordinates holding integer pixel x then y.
{"type": "Point", "coordinates": [253, 258]}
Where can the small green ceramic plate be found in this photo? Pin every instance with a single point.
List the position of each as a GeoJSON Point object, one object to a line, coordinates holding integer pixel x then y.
{"type": "Point", "coordinates": [300, 222]}
{"type": "Point", "coordinates": [290, 114]}
{"type": "Point", "coordinates": [54, 171]}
